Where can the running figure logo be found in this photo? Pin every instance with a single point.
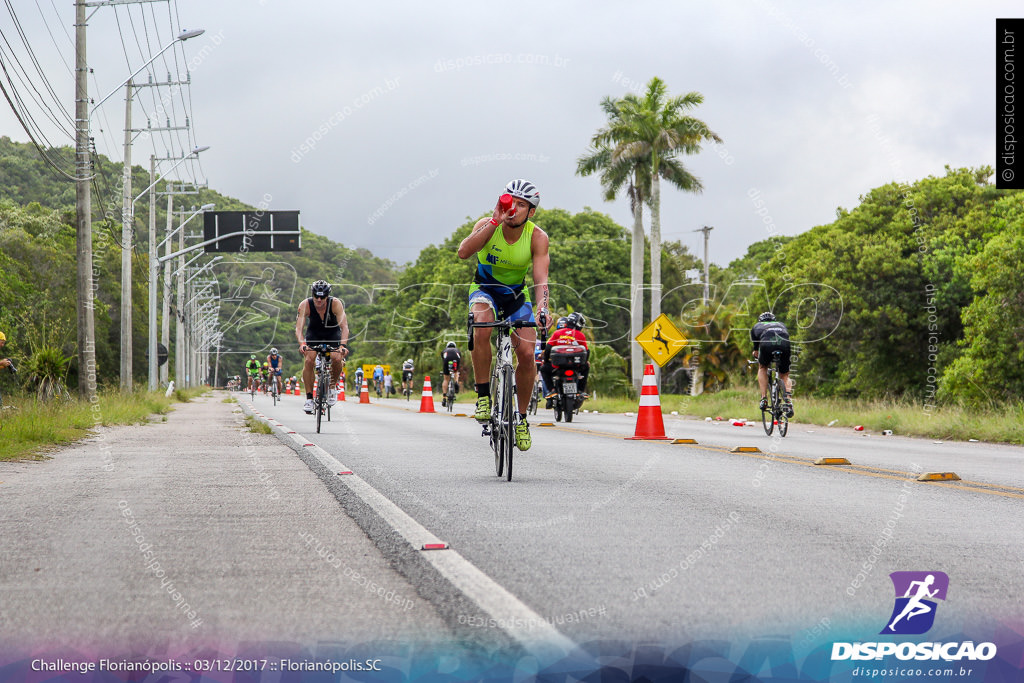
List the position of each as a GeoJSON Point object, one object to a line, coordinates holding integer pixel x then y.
{"type": "Point", "coordinates": [916, 594]}
{"type": "Point", "coordinates": [657, 337]}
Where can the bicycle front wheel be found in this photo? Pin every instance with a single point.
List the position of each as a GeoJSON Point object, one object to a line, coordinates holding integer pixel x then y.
{"type": "Point", "coordinates": [510, 417]}
{"type": "Point", "coordinates": [497, 442]}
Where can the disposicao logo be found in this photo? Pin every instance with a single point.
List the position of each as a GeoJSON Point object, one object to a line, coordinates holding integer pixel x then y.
{"type": "Point", "coordinates": [913, 613]}
{"type": "Point", "coordinates": [916, 595]}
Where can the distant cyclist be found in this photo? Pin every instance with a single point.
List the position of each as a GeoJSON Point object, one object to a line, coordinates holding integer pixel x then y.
{"type": "Point", "coordinates": [264, 377]}
{"type": "Point", "coordinates": [276, 368]}
{"type": "Point", "coordinates": [407, 371]}
{"type": "Point", "coordinates": [252, 371]}
{"type": "Point", "coordinates": [359, 380]}
{"type": "Point", "coordinates": [451, 366]}
{"type": "Point", "coordinates": [378, 378]}
{"type": "Point", "coordinates": [770, 335]}
{"type": "Point", "coordinates": [327, 324]}
{"type": "Point", "coordinates": [508, 246]}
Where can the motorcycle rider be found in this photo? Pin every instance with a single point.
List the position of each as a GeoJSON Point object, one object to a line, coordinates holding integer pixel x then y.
{"type": "Point", "coordinates": [568, 332]}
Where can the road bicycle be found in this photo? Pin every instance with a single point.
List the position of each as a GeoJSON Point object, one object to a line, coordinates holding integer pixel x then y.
{"type": "Point", "coordinates": [775, 412]}
{"type": "Point", "coordinates": [501, 428]}
{"type": "Point", "coordinates": [323, 381]}
{"type": "Point", "coordinates": [453, 388]}
{"type": "Point", "coordinates": [252, 387]}
{"type": "Point", "coordinates": [536, 397]}
{"type": "Point", "coordinates": [275, 388]}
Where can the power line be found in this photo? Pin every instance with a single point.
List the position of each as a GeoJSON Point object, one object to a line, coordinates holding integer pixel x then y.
{"type": "Point", "coordinates": [35, 63]}
{"type": "Point", "coordinates": [42, 153]}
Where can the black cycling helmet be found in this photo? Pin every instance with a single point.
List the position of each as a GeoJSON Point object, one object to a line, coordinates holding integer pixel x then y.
{"type": "Point", "coordinates": [561, 323]}
{"type": "Point", "coordinates": [320, 289]}
{"type": "Point", "coordinates": [766, 317]}
{"type": "Point", "coordinates": [576, 321]}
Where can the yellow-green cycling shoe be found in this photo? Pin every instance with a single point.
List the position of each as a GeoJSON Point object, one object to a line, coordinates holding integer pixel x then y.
{"type": "Point", "coordinates": [523, 439]}
{"type": "Point", "coordinates": [483, 408]}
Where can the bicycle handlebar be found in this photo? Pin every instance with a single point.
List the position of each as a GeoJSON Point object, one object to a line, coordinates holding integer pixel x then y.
{"type": "Point", "coordinates": [505, 323]}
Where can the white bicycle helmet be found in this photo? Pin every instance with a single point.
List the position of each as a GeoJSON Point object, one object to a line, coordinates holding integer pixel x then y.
{"type": "Point", "coordinates": [524, 189]}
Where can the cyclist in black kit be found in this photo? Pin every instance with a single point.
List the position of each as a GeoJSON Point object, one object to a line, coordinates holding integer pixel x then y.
{"type": "Point", "coordinates": [327, 323]}
{"type": "Point", "coordinates": [451, 366]}
{"type": "Point", "coordinates": [770, 335]}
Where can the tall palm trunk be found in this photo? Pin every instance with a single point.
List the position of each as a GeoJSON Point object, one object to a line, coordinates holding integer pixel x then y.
{"type": "Point", "coordinates": [655, 250]}
{"type": "Point", "coordinates": [636, 292]}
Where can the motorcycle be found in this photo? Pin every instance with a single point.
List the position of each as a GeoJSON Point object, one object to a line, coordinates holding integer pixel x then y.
{"type": "Point", "coordinates": [568, 364]}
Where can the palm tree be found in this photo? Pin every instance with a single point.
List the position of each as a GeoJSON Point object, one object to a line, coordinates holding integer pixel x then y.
{"type": "Point", "coordinates": [636, 149]}
{"type": "Point", "coordinates": [616, 175]}
{"type": "Point", "coordinates": [650, 131]}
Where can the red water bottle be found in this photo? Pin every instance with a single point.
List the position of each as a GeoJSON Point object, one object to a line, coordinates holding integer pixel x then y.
{"type": "Point", "coordinates": [505, 202]}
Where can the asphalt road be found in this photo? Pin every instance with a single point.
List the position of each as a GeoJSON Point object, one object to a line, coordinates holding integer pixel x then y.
{"type": "Point", "coordinates": [605, 538]}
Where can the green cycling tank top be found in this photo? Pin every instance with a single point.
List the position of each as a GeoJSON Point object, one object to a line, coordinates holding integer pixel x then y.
{"type": "Point", "coordinates": [504, 266]}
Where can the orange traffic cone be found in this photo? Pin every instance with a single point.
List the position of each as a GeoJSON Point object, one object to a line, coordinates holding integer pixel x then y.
{"type": "Point", "coordinates": [364, 393]}
{"type": "Point", "coordinates": [341, 390]}
{"type": "Point", "coordinates": [427, 399]}
{"type": "Point", "coordinates": [649, 424]}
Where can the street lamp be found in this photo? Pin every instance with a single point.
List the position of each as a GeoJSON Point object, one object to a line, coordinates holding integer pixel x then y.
{"type": "Point", "coordinates": [128, 214]}
{"type": "Point", "coordinates": [154, 367]}
{"type": "Point", "coordinates": [184, 35]}
{"type": "Point", "coordinates": [126, 272]}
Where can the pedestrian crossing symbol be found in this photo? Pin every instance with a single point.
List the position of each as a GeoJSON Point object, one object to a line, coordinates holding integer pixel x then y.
{"type": "Point", "coordinates": [662, 340]}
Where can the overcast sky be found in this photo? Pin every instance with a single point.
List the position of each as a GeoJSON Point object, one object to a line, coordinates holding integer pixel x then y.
{"type": "Point", "coordinates": [418, 113]}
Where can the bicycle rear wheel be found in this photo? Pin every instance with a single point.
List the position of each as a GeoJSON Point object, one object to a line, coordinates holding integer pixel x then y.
{"type": "Point", "coordinates": [768, 413]}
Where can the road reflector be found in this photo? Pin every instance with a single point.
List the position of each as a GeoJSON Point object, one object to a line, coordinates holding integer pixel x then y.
{"type": "Point", "coordinates": [344, 472]}
{"type": "Point", "coordinates": [434, 546]}
{"type": "Point", "coordinates": [307, 444]}
{"type": "Point", "coordinates": [744, 449]}
{"type": "Point", "coordinates": [545, 424]}
{"type": "Point", "coordinates": [831, 461]}
{"type": "Point", "coordinates": [693, 441]}
{"type": "Point", "coordinates": [461, 415]}
{"type": "Point", "coordinates": [939, 476]}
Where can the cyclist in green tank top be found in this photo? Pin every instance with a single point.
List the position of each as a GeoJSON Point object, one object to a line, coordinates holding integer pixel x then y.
{"type": "Point", "coordinates": [508, 246]}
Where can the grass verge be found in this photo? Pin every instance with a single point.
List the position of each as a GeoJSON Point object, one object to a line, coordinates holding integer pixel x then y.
{"type": "Point", "coordinates": [1002, 424]}
{"type": "Point", "coordinates": [258, 426]}
{"type": "Point", "coordinates": [32, 428]}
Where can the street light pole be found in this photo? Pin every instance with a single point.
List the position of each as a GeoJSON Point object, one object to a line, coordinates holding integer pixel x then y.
{"type": "Point", "coordinates": [126, 247]}
{"type": "Point", "coordinates": [165, 322]}
{"type": "Point", "coordinates": [154, 367]}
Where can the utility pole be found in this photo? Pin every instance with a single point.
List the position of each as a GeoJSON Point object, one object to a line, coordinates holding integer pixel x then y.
{"type": "Point", "coordinates": [707, 286]}
{"type": "Point", "coordinates": [83, 211]}
{"type": "Point", "coordinates": [153, 361]}
{"type": "Point", "coordinates": [127, 230]}
{"type": "Point", "coordinates": [697, 377]}
{"type": "Point", "coordinates": [165, 322]}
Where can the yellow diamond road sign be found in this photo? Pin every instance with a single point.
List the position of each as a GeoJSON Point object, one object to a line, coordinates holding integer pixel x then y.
{"type": "Point", "coordinates": [662, 340]}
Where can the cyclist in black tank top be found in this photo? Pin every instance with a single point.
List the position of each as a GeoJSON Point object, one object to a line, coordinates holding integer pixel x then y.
{"type": "Point", "coordinates": [327, 323]}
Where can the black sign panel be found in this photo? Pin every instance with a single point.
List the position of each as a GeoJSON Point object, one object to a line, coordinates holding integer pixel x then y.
{"type": "Point", "coordinates": [248, 231]}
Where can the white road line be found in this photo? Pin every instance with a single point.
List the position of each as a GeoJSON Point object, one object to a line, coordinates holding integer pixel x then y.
{"type": "Point", "coordinates": [508, 613]}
